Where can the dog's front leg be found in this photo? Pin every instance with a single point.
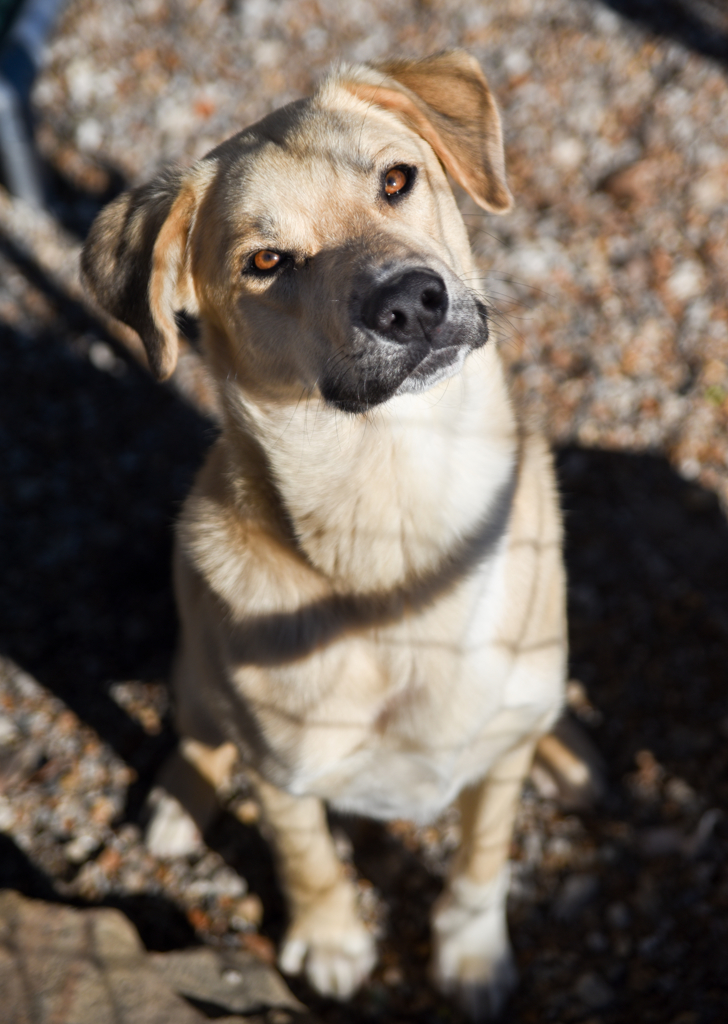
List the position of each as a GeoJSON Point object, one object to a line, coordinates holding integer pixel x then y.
{"type": "Point", "coordinates": [325, 937]}
{"type": "Point", "coordinates": [472, 957]}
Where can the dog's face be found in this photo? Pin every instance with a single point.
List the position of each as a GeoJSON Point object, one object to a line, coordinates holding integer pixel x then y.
{"type": "Point", "coordinates": [343, 264]}
{"type": "Point", "coordinates": [322, 248]}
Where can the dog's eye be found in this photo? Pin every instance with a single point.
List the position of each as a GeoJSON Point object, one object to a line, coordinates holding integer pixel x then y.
{"type": "Point", "coordinates": [398, 180]}
{"type": "Point", "coordinates": [394, 181]}
{"type": "Point", "coordinates": [266, 260]}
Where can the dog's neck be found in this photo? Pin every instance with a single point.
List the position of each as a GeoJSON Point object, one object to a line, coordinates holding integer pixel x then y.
{"type": "Point", "coordinates": [375, 500]}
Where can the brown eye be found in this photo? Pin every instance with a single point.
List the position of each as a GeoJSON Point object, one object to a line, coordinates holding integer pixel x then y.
{"type": "Point", "coordinates": [266, 259]}
{"type": "Point", "coordinates": [394, 181]}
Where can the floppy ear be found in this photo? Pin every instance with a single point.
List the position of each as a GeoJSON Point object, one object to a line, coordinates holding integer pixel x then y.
{"type": "Point", "coordinates": [445, 99]}
{"type": "Point", "coordinates": [136, 263]}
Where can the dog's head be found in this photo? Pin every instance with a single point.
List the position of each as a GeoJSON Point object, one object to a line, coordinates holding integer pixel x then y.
{"type": "Point", "coordinates": [321, 248]}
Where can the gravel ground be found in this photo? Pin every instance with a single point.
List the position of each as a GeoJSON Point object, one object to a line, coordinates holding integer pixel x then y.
{"type": "Point", "coordinates": [608, 281]}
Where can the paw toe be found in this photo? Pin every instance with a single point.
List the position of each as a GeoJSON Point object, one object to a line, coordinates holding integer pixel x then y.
{"type": "Point", "coordinates": [334, 966]}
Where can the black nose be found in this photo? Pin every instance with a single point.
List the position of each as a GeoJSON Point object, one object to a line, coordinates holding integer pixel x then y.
{"type": "Point", "coordinates": [407, 306]}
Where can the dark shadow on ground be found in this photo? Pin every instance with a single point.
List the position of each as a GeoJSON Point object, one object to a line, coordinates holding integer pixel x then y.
{"type": "Point", "coordinates": [647, 557]}
{"type": "Point", "coordinates": [94, 464]}
{"type": "Point", "coordinates": [244, 848]}
{"type": "Point", "coordinates": [699, 25]}
{"type": "Point", "coordinates": [18, 872]}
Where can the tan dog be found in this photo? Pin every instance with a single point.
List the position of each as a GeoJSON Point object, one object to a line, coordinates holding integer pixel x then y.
{"type": "Point", "coordinates": [368, 569]}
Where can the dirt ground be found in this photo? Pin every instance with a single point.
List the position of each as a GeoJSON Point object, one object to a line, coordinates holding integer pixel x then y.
{"type": "Point", "coordinates": [608, 284]}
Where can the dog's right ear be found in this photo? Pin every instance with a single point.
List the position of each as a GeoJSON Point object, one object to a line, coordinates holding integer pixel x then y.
{"type": "Point", "coordinates": [136, 261]}
{"type": "Point", "coordinates": [446, 99]}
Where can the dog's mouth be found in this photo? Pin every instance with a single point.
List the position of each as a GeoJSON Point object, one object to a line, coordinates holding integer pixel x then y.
{"type": "Point", "coordinates": [437, 365]}
{"type": "Point", "coordinates": [379, 369]}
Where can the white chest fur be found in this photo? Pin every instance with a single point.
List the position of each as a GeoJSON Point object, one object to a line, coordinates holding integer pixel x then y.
{"type": "Point", "coordinates": [387, 679]}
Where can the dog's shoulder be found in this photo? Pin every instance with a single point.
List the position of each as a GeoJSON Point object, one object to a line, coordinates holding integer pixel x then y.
{"type": "Point", "coordinates": [233, 534]}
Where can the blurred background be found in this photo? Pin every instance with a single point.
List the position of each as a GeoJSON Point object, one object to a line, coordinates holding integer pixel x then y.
{"type": "Point", "coordinates": [608, 289]}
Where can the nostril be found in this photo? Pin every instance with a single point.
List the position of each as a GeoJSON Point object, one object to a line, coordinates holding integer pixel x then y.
{"type": "Point", "coordinates": [432, 299]}
{"type": "Point", "coordinates": [391, 319]}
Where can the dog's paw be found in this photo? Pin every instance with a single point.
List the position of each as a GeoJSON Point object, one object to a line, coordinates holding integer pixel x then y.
{"type": "Point", "coordinates": [335, 965]}
{"type": "Point", "coordinates": [472, 957]}
{"type": "Point", "coordinates": [331, 944]}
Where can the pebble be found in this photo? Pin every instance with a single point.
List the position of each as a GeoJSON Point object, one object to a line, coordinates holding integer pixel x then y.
{"type": "Point", "coordinates": [9, 733]}
{"type": "Point", "coordinates": [248, 913]}
{"type": "Point", "coordinates": [594, 991]}
{"type": "Point", "coordinates": [575, 894]}
{"type": "Point", "coordinates": [597, 942]}
{"type": "Point", "coordinates": [81, 848]}
{"type": "Point", "coordinates": [8, 816]}
{"type": "Point", "coordinates": [618, 915]}
{"type": "Point", "coordinates": [228, 882]}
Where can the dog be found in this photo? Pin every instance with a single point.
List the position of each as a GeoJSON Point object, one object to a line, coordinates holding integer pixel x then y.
{"type": "Point", "coordinates": [368, 569]}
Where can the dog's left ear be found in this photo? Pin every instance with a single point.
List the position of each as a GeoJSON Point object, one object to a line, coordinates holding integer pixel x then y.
{"type": "Point", "coordinates": [445, 99]}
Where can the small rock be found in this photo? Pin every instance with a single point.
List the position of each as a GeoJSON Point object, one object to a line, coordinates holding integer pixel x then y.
{"type": "Point", "coordinates": [683, 794]}
{"type": "Point", "coordinates": [8, 731]}
{"type": "Point", "coordinates": [171, 831]}
{"type": "Point", "coordinates": [687, 281]}
{"type": "Point", "coordinates": [661, 841]}
{"type": "Point", "coordinates": [710, 190]}
{"type": "Point", "coordinates": [248, 913]}
{"type": "Point", "coordinates": [517, 62]}
{"type": "Point", "coordinates": [593, 991]}
{"type": "Point", "coordinates": [559, 849]}
{"type": "Point", "coordinates": [393, 976]}
{"type": "Point", "coordinates": [80, 849]}
{"type": "Point", "coordinates": [665, 840]}
{"type": "Point", "coordinates": [7, 815]}
{"type": "Point", "coordinates": [649, 944]}
{"type": "Point", "coordinates": [618, 915]}
{"type": "Point", "coordinates": [227, 882]}
{"type": "Point", "coordinates": [574, 895]}
{"type": "Point", "coordinates": [21, 763]}
{"type": "Point", "coordinates": [596, 942]}
{"type": "Point", "coordinates": [568, 153]}
{"type": "Point", "coordinates": [696, 843]}
{"type": "Point", "coordinates": [102, 357]}
{"type": "Point", "coordinates": [109, 861]}
{"type": "Point", "coordinates": [103, 811]}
